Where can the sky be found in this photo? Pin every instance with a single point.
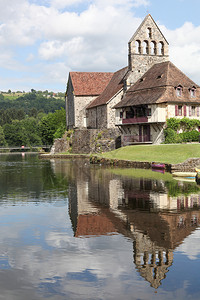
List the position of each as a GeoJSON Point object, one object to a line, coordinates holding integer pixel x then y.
{"type": "Point", "coordinates": [41, 41]}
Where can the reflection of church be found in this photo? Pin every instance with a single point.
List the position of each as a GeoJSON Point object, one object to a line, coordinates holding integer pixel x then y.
{"type": "Point", "coordinates": [101, 203]}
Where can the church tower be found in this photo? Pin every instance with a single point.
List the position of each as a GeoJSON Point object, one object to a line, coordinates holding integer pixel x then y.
{"type": "Point", "coordinates": [147, 47]}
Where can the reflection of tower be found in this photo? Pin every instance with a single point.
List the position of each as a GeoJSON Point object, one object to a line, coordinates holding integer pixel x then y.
{"type": "Point", "coordinates": [151, 262]}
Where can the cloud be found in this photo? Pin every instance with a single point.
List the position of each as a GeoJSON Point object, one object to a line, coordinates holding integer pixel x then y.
{"type": "Point", "coordinates": [184, 45]}
{"type": "Point", "coordinates": [89, 35]}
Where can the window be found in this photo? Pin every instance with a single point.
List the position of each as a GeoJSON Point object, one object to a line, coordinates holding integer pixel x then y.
{"type": "Point", "coordinates": [121, 114]}
{"type": "Point", "coordinates": [161, 50]}
{"type": "Point", "coordinates": [179, 110]}
{"type": "Point", "coordinates": [145, 47]}
{"type": "Point", "coordinates": [193, 110]}
{"type": "Point", "coordinates": [137, 47]}
{"type": "Point", "coordinates": [149, 33]}
{"type": "Point", "coordinates": [153, 48]}
{"type": "Point", "coordinates": [179, 90]}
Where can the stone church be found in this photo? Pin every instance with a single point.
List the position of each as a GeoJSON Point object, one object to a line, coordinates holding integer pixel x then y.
{"type": "Point", "coordinates": [137, 100]}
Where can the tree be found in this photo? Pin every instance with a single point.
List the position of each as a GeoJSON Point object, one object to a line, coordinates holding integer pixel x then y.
{"type": "Point", "coordinates": [15, 134]}
{"type": "Point", "coordinates": [2, 138]}
{"type": "Point", "coordinates": [50, 124]}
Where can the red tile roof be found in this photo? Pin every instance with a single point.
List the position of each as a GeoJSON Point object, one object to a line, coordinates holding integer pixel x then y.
{"type": "Point", "coordinates": [158, 85]}
{"type": "Point", "coordinates": [113, 87]}
{"type": "Point", "coordinates": [89, 83]}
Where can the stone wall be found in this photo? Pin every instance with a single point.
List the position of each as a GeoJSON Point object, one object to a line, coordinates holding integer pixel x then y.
{"type": "Point", "coordinates": [94, 140]}
{"type": "Point", "coordinates": [111, 114]}
{"type": "Point", "coordinates": [70, 105]}
{"type": "Point", "coordinates": [187, 166]}
{"type": "Point", "coordinates": [60, 145]}
{"type": "Point", "coordinates": [80, 103]}
{"type": "Point", "coordinates": [97, 117]}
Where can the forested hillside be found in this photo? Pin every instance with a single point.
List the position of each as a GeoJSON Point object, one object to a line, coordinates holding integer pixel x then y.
{"type": "Point", "coordinates": [31, 119]}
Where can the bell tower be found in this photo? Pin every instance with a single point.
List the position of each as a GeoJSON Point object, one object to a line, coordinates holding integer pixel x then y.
{"type": "Point", "coordinates": [147, 47]}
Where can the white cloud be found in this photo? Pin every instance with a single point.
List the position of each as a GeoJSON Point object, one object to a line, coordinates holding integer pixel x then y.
{"type": "Point", "coordinates": [184, 45]}
{"type": "Point", "coordinates": [94, 38]}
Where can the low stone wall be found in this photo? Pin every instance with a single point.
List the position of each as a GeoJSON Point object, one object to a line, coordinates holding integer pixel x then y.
{"type": "Point", "coordinates": [94, 140]}
{"type": "Point", "coordinates": [124, 163]}
{"type": "Point", "coordinates": [60, 145]}
{"type": "Point", "coordinates": [187, 166]}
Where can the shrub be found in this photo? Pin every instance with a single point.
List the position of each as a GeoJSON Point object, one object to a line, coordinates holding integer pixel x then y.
{"type": "Point", "coordinates": [189, 136]}
{"type": "Point", "coordinates": [173, 123]}
{"type": "Point", "coordinates": [171, 137]}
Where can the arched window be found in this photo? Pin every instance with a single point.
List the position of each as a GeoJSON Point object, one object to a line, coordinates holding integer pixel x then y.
{"type": "Point", "coordinates": [149, 33]}
{"type": "Point", "coordinates": [161, 48]}
{"type": "Point", "coordinates": [153, 48]}
{"type": "Point", "coordinates": [138, 47]}
{"type": "Point", "coordinates": [145, 47]}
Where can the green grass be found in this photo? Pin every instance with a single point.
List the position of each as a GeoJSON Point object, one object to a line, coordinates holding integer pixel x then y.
{"type": "Point", "coordinates": [159, 153]}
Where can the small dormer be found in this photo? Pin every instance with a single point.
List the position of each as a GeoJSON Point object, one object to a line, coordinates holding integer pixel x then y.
{"type": "Point", "coordinates": [179, 90]}
{"type": "Point", "coordinates": [192, 92]}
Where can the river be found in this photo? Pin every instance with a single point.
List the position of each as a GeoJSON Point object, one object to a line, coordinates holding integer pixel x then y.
{"type": "Point", "coordinates": [69, 230]}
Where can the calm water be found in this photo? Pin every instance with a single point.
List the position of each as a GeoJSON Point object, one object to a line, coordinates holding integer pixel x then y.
{"type": "Point", "coordinates": [73, 231]}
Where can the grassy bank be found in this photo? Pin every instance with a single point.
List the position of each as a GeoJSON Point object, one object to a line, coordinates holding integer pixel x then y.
{"type": "Point", "coordinates": [171, 154]}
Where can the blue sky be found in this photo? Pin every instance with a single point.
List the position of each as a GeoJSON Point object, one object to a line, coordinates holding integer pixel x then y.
{"type": "Point", "coordinates": [42, 40]}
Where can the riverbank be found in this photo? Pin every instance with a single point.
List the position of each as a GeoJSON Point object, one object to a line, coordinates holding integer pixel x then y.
{"type": "Point", "coordinates": [179, 157]}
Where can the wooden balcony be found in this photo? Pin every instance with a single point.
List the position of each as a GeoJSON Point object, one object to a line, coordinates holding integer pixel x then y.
{"type": "Point", "coordinates": [135, 120]}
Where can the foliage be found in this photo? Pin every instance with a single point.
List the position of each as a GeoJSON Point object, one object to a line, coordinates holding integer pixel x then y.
{"type": "Point", "coordinates": [189, 127]}
{"type": "Point", "coordinates": [175, 189]}
{"type": "Point", "coordinates": [3, 142]}
{"type": "Point", "coordinates": [15, 134]}
{"type": "Point", "coordinates": [53, 123]}
{"type": "Point", "coordinates": [171, 137]}
{"type": "Point", "coordinates": [32, 100]}
{"type": "Point", "coordinates": [189, 136]}
{"type": "Point", "coordinates": [23, 117]}
{"type": "Point", "coordinates": [173, 123]}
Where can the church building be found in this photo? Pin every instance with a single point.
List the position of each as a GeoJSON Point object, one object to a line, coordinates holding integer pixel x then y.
{"type": "Point", "coordinates": [138, 99]}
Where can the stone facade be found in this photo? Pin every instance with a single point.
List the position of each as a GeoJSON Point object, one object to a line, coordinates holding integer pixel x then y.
{"type": "Point", "coordinates": [97, 117]}
{"type": "Point", "coordinates": [94, 140]}
{"type": "Point", "coordinates": [60, 145]}
{"type": "Point", "coordinates": [69, 104]}
{"type": "Point", "coordinates": [147, 47]}
{"type": "Point", "coordinates": [111, 113]}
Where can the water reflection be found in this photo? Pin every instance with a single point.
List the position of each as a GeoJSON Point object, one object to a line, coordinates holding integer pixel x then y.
{"type": "Point", "coordinates": [144, 210]}
{"type": "Point", "coordinates": [69, 230]}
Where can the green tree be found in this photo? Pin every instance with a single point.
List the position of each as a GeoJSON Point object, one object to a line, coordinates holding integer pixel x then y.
{"type": "Point", "coordinates": [2, 138]}
{"type": "Point", "coordinates": [15, 133]}
{"type": "Point", "coordinates": [50, 124]}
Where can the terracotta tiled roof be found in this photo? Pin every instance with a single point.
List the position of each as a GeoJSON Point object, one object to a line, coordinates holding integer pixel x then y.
{"type": "Point", "coordinates": [158, 85]}
{"type": "Point", "coordinates": [89, 83]}
{"type": "Point", "coordinates": [113, 87]}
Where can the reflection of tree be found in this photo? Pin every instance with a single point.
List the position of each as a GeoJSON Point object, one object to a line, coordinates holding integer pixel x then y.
{"type": "Point", "coordinates": [29, 177]}
{"type": "Point", "coordinates": [176, 188]}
